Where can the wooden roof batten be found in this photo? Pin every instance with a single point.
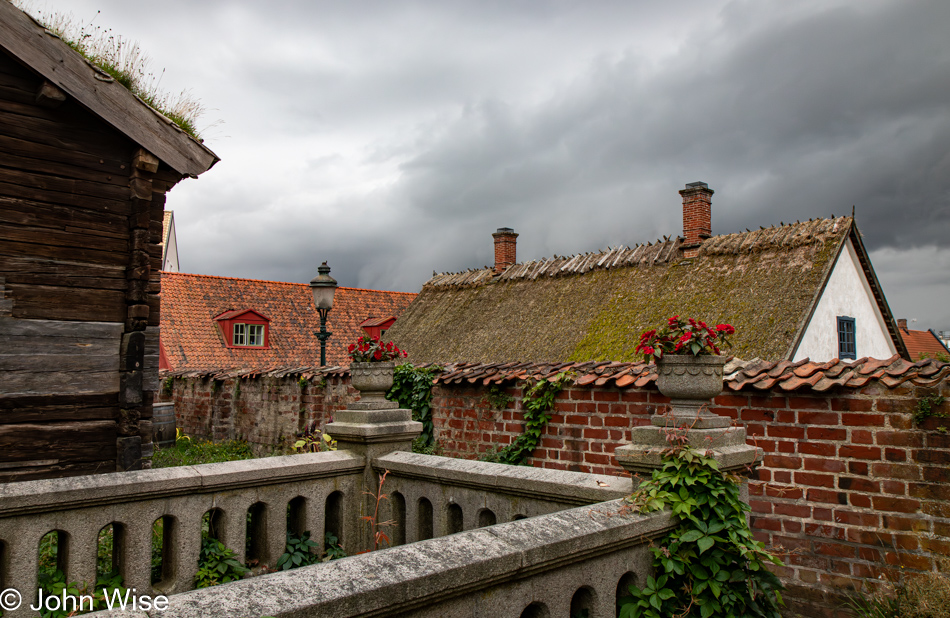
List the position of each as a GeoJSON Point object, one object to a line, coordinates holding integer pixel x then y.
{"type": "Point", "coordinates": [45, 53]}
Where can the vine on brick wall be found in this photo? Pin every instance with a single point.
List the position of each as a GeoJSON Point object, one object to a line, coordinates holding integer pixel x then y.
{"type": "Point", "coordinates": [537, 403]}
{"type": "Point", "coordinates": [412, 389]}
{"type": "Point", "coordinates": [709, 564]}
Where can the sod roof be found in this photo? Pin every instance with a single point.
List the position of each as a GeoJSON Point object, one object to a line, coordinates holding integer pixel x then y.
{"type": "Point", "coordinates": [593, 306]}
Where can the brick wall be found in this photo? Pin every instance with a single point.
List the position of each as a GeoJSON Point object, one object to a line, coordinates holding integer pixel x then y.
{"type": "Point", "coordinates": [849, 490]}
{"type": "Point", "coordinates": [265, 411]}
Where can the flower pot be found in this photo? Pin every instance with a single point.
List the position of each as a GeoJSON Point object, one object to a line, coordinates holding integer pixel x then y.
{"type": "Point", "coordinates": [691, 382]}
{"type": "Point", "coordinates": [372, 380]}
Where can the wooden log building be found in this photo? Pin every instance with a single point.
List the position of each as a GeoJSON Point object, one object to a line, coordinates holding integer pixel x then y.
{"type": "Point", "coordinates": [84, 169]}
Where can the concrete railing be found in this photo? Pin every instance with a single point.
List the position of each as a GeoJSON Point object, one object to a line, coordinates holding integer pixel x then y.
{"type": "Point", "coordinates": [531, 536]}
{"type": "Point", "coordinates": [428, 496]}
{"type": "Point", "coordinates": [550, 565]}
{"type": "Point", "coordinates": [244, 498]}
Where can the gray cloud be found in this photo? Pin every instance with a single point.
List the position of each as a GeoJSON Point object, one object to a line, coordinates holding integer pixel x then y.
{"type": "Point", "coordinates": [393, 137]}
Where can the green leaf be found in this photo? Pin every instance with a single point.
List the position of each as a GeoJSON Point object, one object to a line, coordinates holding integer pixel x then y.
{"type": "Point", "coordinates": [705, 543]}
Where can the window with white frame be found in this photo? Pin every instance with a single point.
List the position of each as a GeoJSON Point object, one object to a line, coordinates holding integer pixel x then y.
{"type": "Point", "coordinates": [248, 335]}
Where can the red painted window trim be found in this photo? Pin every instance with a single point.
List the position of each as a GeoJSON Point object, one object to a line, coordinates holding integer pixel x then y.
{"type": "Point", "coordinates": [228, 319]}
{"type": "Point", "coordinates": [377, 330]}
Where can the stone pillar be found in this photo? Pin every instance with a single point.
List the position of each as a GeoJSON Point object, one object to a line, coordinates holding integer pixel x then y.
{"type": "Point", "coordinates": [371, 429]}
{"type": "Point", "coordinates": [716, 434]}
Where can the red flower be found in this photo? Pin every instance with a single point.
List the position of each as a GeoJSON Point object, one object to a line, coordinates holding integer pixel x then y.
{"type": "Point", "coordinates": [378, 355]}
{"type": "Point", "coordinates": [351, 348]}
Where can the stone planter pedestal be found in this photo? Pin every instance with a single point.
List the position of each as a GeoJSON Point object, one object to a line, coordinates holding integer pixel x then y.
{"type": "Point", "coordinates": [690, 382]}
{"type": "Point", "coordinates": [371, 428]}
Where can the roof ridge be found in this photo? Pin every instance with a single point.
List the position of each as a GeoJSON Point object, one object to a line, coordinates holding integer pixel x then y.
{"type": "Point", "coordinates": [342, 287]}
{"type": "Point", "coordinates": [662, 250]}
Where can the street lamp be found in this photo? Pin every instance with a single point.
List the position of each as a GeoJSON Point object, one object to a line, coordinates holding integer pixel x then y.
{"type": "Point", "coordinates": [323, 286]}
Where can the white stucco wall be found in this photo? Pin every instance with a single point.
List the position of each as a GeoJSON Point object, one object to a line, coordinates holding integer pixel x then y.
{"type": "Point", "coordinates": [847, 294]}
{"type": "Point", "coordinates": [170, 262]}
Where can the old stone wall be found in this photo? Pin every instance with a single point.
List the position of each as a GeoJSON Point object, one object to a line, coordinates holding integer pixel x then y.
{"type": "Point", "coordinates": [266, 411]}
{"type": "Point", "coordinates": [850, 489]}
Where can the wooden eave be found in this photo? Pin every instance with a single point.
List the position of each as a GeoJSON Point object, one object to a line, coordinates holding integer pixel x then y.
{"type": "Point", "coordinates": [44, 53]}
{"type": "Point", "coordinates": [878, 292]}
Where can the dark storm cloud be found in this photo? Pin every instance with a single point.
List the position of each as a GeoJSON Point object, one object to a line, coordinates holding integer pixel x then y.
{"type": "Point", "coordinates": [392, 138]}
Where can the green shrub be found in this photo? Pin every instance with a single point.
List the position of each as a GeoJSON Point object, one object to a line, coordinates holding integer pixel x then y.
{"type": "Point", "coordinates": [709, 564]}
{"type": "Point", "coordinates": [217, 564]}
{"type": "Point", "coordinates": [299, 552]}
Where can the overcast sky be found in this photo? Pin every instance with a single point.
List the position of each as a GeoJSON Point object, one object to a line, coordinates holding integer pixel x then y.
{"type": "Point", "coordinates": [391, 138]}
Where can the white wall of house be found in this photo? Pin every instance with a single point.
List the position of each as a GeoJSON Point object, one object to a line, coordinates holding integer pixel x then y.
{"type": "Point", "coordinates": [170, 251]}
{"type": "Point", "coordinates": [846, 294]}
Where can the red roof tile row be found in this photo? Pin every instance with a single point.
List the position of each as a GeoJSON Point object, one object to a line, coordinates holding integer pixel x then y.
{"type": "Point", "coordinates": [754, 375]}
{"type": "Point", "coordinates": [739, 375]}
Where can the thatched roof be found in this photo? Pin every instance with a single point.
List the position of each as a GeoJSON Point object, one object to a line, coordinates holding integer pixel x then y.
{"type": "Point", "coordinates": [593, 306]}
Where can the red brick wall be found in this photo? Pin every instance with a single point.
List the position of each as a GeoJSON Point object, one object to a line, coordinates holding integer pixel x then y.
{"type": "Point", "coordinates": [265, 411]}
{"type": "Point", "coordinates": [849, 489]}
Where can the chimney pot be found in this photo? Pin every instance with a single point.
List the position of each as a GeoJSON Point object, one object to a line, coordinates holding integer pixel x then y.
{"type": "Point", "coordinates": [506, 246]}
{"type": "Point", "coordinates": [697, 216]}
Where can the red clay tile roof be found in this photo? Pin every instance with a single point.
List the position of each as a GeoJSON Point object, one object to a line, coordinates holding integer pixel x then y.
{"type": "Point", "coordinates": [193, 342]}
{"type": "Point", "coordinates": [749, 375]}
{"type": "Point", "coordinates": [922, 343]}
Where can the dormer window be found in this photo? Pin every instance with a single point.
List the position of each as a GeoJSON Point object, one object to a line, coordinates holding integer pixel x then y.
{"type": "Point", "coordinates": [377, 327]}
{"type": "Point", "coordinates": [244, 328]}
{"type": "Point", "coordinates": [248, 334]}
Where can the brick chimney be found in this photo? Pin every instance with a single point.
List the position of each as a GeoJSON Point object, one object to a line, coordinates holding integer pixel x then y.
{"type": "Point", "coordinates": [506, 244]}
{"type": "Point", "coordinates": [697, 216]}
{"type": "Point", "coordinates": [902, 323]}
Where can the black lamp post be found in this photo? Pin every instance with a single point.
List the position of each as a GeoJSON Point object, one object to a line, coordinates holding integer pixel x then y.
{"type": "Point", "coordinates": [323, 286]}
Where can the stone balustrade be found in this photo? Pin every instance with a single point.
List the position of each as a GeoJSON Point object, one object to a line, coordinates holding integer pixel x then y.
{"type": "Point", "coordinates": [430, 496]}
{"type": "Point", "coordinates": [557, 564]}
{"type": "Point", "coordinates": [253, 503]}
{"type": "Point", "coordinates": [252, 498]}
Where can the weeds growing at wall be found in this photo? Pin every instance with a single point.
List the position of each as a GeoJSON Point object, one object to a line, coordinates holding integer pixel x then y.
{"type": "Point", "coordinates": [412, 389]}
{"type": "Point", "coordinates": [312, 440]}
{"type": "Point", "coordinates": [537, 403]}
{"type": "Point", "coordinates": [926, 408]}
{"type": "Point", "coordinates": [217, 564]}
{"type": "Point", "coordinates": [709, 564]}
{"type": "Point", "coordinates": [188, 452]}
{"type": "Point", "coordinates": [300, 551]}
{"type": "Point", "coordinates": [497, 398]}
{"type": "Point", "coordinates": [924, 596]}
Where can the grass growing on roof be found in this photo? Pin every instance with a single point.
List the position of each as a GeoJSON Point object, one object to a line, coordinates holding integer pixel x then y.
{"type": "Point", "coordinates": [123, 60]}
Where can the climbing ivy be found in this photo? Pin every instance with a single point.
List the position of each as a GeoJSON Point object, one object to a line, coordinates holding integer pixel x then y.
{"type": "Point", "coordinates": [412, 389]}
{"type": "Point", "coordinates": [537, 403]}
{"type": "Point", "coordinates": [925, 408]}
{"type": "Point", "coordinates": [709, 564]}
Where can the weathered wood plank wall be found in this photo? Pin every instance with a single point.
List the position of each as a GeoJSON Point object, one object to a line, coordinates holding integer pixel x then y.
{"type": "Point", "coordinates": [80, 225]}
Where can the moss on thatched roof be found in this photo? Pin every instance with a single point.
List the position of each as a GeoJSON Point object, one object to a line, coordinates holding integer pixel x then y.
{"type": "Point", "coordinates": [594, 306]}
